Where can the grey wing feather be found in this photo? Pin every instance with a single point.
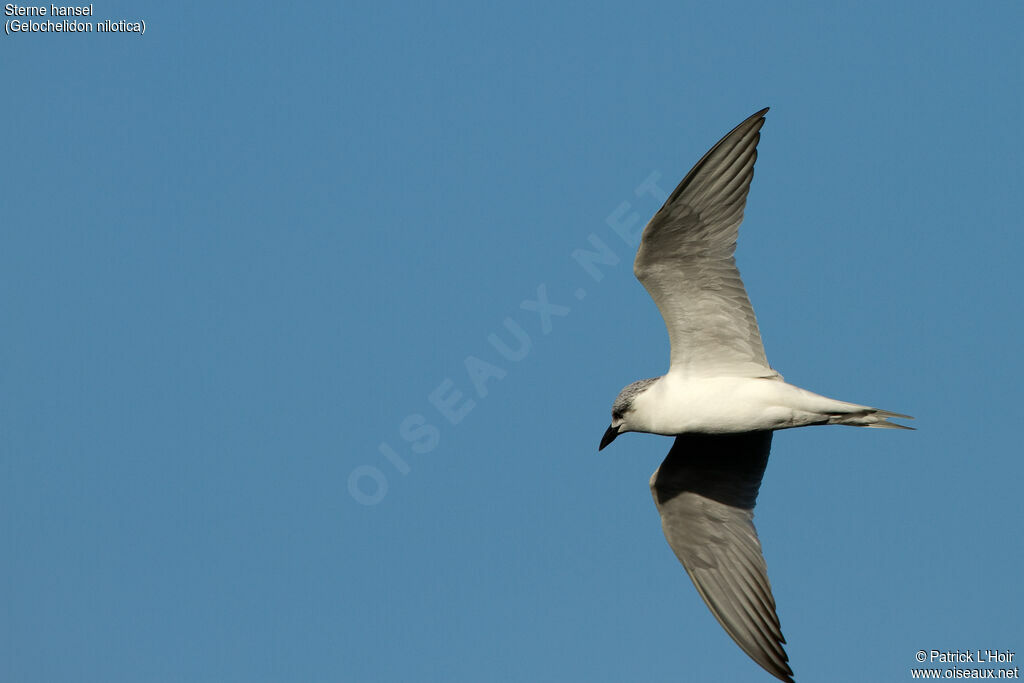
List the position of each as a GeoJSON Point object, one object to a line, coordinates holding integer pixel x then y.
{"type": "Point", "coordinates": [686, 263]}
{"type": "Point", "coordinates": [705, 492]}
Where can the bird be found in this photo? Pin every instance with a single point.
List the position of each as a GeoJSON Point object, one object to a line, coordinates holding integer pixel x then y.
{"type": "Point", "coordinates": [720, 398]}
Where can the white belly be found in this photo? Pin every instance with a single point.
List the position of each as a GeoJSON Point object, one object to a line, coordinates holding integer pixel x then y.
{"type": "Point", "coordinates": [722, 405]}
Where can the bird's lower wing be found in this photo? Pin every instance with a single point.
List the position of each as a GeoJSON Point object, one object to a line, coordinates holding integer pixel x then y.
{"type": "Point", "coordinates": [705, 491]}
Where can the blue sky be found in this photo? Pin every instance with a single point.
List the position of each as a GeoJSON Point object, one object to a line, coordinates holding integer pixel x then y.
{"type": "Point", "coordinates": [247, 249]}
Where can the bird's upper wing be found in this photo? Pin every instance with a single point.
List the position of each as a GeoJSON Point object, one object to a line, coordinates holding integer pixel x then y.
{"type": "Point", "coordinates": [686, 263]}
{"type": "Point", "coordinates": [705, 491]}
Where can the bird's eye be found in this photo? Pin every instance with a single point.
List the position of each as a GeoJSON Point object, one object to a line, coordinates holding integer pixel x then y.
{"type": "Point", "coordinates": [616, 416]}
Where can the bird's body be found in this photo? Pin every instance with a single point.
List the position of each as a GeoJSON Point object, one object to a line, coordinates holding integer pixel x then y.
{"type": "Point", "coordinates": [676, 404]}
{"type": "Point", "coordinates": [720, 398]}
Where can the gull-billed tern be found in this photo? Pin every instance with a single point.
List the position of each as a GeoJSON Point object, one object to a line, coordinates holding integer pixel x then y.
{"type": "Point", "coordinates": [720, 398]}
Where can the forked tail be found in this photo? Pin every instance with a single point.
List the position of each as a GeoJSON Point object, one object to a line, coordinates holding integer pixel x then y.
{"type": "Point", "coordinates": [869, 417]}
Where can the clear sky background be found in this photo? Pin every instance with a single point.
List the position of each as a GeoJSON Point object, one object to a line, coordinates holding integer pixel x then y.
{"type": "Point", "coordinates": [244, 250]}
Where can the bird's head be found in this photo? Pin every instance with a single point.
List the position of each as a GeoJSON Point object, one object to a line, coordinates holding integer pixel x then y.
{"type": "Point", "coordinates": [624, 411]}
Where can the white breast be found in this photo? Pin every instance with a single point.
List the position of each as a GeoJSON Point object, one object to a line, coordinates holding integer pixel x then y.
{"type": "Point", "coordinates": [722, 405]}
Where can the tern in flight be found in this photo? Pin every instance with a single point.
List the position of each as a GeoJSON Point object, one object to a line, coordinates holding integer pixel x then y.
{"type": "Point", "coordinates": [720, 399]}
